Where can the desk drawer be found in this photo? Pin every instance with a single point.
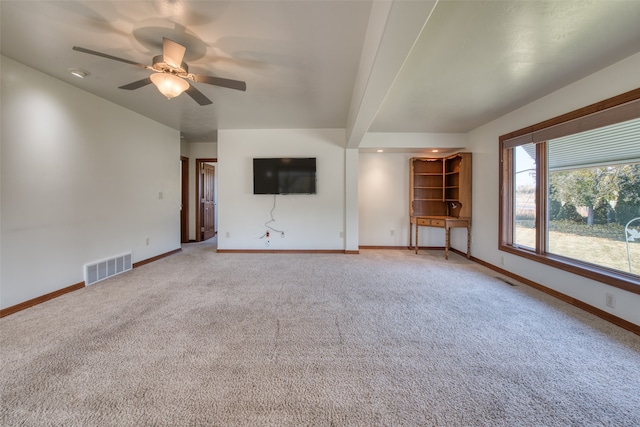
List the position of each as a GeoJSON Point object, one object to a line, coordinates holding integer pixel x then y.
{"type": "Point", "coordinates": [431, 222]}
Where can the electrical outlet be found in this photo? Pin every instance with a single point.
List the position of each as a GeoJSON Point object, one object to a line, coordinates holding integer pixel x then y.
{"type": "Point", "coordinates": [501, 260]}
{"type": "Point", "coordinates": [392, 232]}
{"type": "Point", "coordinates": [610, 300]}
{"type": "Point", "coordinates": [267, 234]}
{"type": "Point", "coordinates": [227, 234]}
{"type": "Point", "coordinates": [147, 241]}
{"type": "Point", "coordinates": [282, 234]}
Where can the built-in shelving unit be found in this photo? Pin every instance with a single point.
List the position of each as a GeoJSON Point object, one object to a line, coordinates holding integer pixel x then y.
{"type": "Point", "coordinates": [441, 186]}
{"type": "Point", "coordinates": [440, 195]}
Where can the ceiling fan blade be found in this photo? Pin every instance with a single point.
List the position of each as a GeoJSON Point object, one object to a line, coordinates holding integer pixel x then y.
{"type": "Point", "coordinates": [172, 52]}
{"type": "Point", "coordinates": [136, 85]}
{"type": "Point", "coordinates": [197, 95]}
{"type": "Point", "coordinates": [219, 81]}
{"type": "Point", "coordinates": [104, 55]}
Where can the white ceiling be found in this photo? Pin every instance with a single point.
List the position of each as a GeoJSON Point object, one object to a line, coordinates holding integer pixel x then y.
{"type": "Point", "coordinates": [403, 66]}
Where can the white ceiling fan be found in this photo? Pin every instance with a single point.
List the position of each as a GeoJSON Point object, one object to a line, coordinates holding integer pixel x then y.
{"type": "Point", "coordinates": [170, 74]}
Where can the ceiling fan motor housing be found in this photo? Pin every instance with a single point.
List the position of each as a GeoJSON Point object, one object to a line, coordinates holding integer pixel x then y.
{"type": "Point", "coordinates": [161, 66]}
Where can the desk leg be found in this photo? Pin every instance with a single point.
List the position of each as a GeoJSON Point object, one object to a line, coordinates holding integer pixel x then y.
{"type": "Point", "coordinates": [410, 235]}
{"type": "Point", "coordinates": [468, 241]}
{"type": "Point", "coordinates": [417, 228]}
{"type": "Point", "coordinates": [446, 247]}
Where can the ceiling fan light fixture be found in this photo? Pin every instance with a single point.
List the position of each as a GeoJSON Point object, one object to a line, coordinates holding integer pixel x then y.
{"type": "Point", "coordinates": [169, 85]}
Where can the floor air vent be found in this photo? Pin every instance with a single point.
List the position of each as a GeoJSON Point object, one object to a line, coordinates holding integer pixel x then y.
{"type": "Point", "coordinates": [100, 270]}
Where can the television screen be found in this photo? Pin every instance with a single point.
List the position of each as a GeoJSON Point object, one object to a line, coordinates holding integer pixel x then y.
{"type": "Point", "coordinates": [284, 176]}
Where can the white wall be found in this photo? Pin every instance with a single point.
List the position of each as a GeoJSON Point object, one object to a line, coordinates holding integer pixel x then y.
{"type": "Point", "coordinates": [384, 204]}
{"type": "Point", "coordinates": [81, 181]}
{"type": "Point", "coordinates": [614, 80]}
{"type": "Point", "coordinates": [310, 222]}
{"type": "Point", "coordinates": [414, 140]}
{"type": "Point", "coordinates": [351, 200]}
{"type": "Point", "coordinates": [383, 189]}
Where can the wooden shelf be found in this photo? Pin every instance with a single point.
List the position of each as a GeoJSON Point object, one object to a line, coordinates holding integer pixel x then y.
{"type": "Point", "coordinates": [438, 182]}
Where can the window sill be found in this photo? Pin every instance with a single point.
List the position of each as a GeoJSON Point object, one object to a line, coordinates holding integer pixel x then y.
{"type": "Point", "coordinates": [626, 281]}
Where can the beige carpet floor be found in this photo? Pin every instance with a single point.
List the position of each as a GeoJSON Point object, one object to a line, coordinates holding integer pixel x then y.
{"type": "Point", "coordinates": [384, 338]}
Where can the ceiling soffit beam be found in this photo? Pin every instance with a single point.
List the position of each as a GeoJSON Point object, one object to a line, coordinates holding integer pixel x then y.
{"type": "Point", "coordinates": [394, 27]}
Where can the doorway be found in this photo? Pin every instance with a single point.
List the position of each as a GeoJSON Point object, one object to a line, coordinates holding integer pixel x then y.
{"type": "Point", "coordinates": [206, 199]}
{"type": "Point", "coordinates": [184, 199]}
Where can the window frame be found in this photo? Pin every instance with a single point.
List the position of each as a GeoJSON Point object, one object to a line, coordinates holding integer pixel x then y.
{"type": "Point", "coordinates": [619, 279]}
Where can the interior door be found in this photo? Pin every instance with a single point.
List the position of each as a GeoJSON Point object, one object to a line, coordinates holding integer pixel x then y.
{"type": "Point", "coordinates": [207, 206]}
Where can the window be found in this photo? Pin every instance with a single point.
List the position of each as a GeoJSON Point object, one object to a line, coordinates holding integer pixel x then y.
{"type": "Point", "coordinates": [524, 175]}
{"type": "Point", "coordinates": [570, 193]}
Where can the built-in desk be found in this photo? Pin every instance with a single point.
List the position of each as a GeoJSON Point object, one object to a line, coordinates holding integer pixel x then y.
{"type": "Point", "coordinates": [446, 222]}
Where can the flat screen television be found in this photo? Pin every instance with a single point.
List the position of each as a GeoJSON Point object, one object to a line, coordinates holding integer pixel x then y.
{"type": "Point", "coordinates": [292, 175]}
